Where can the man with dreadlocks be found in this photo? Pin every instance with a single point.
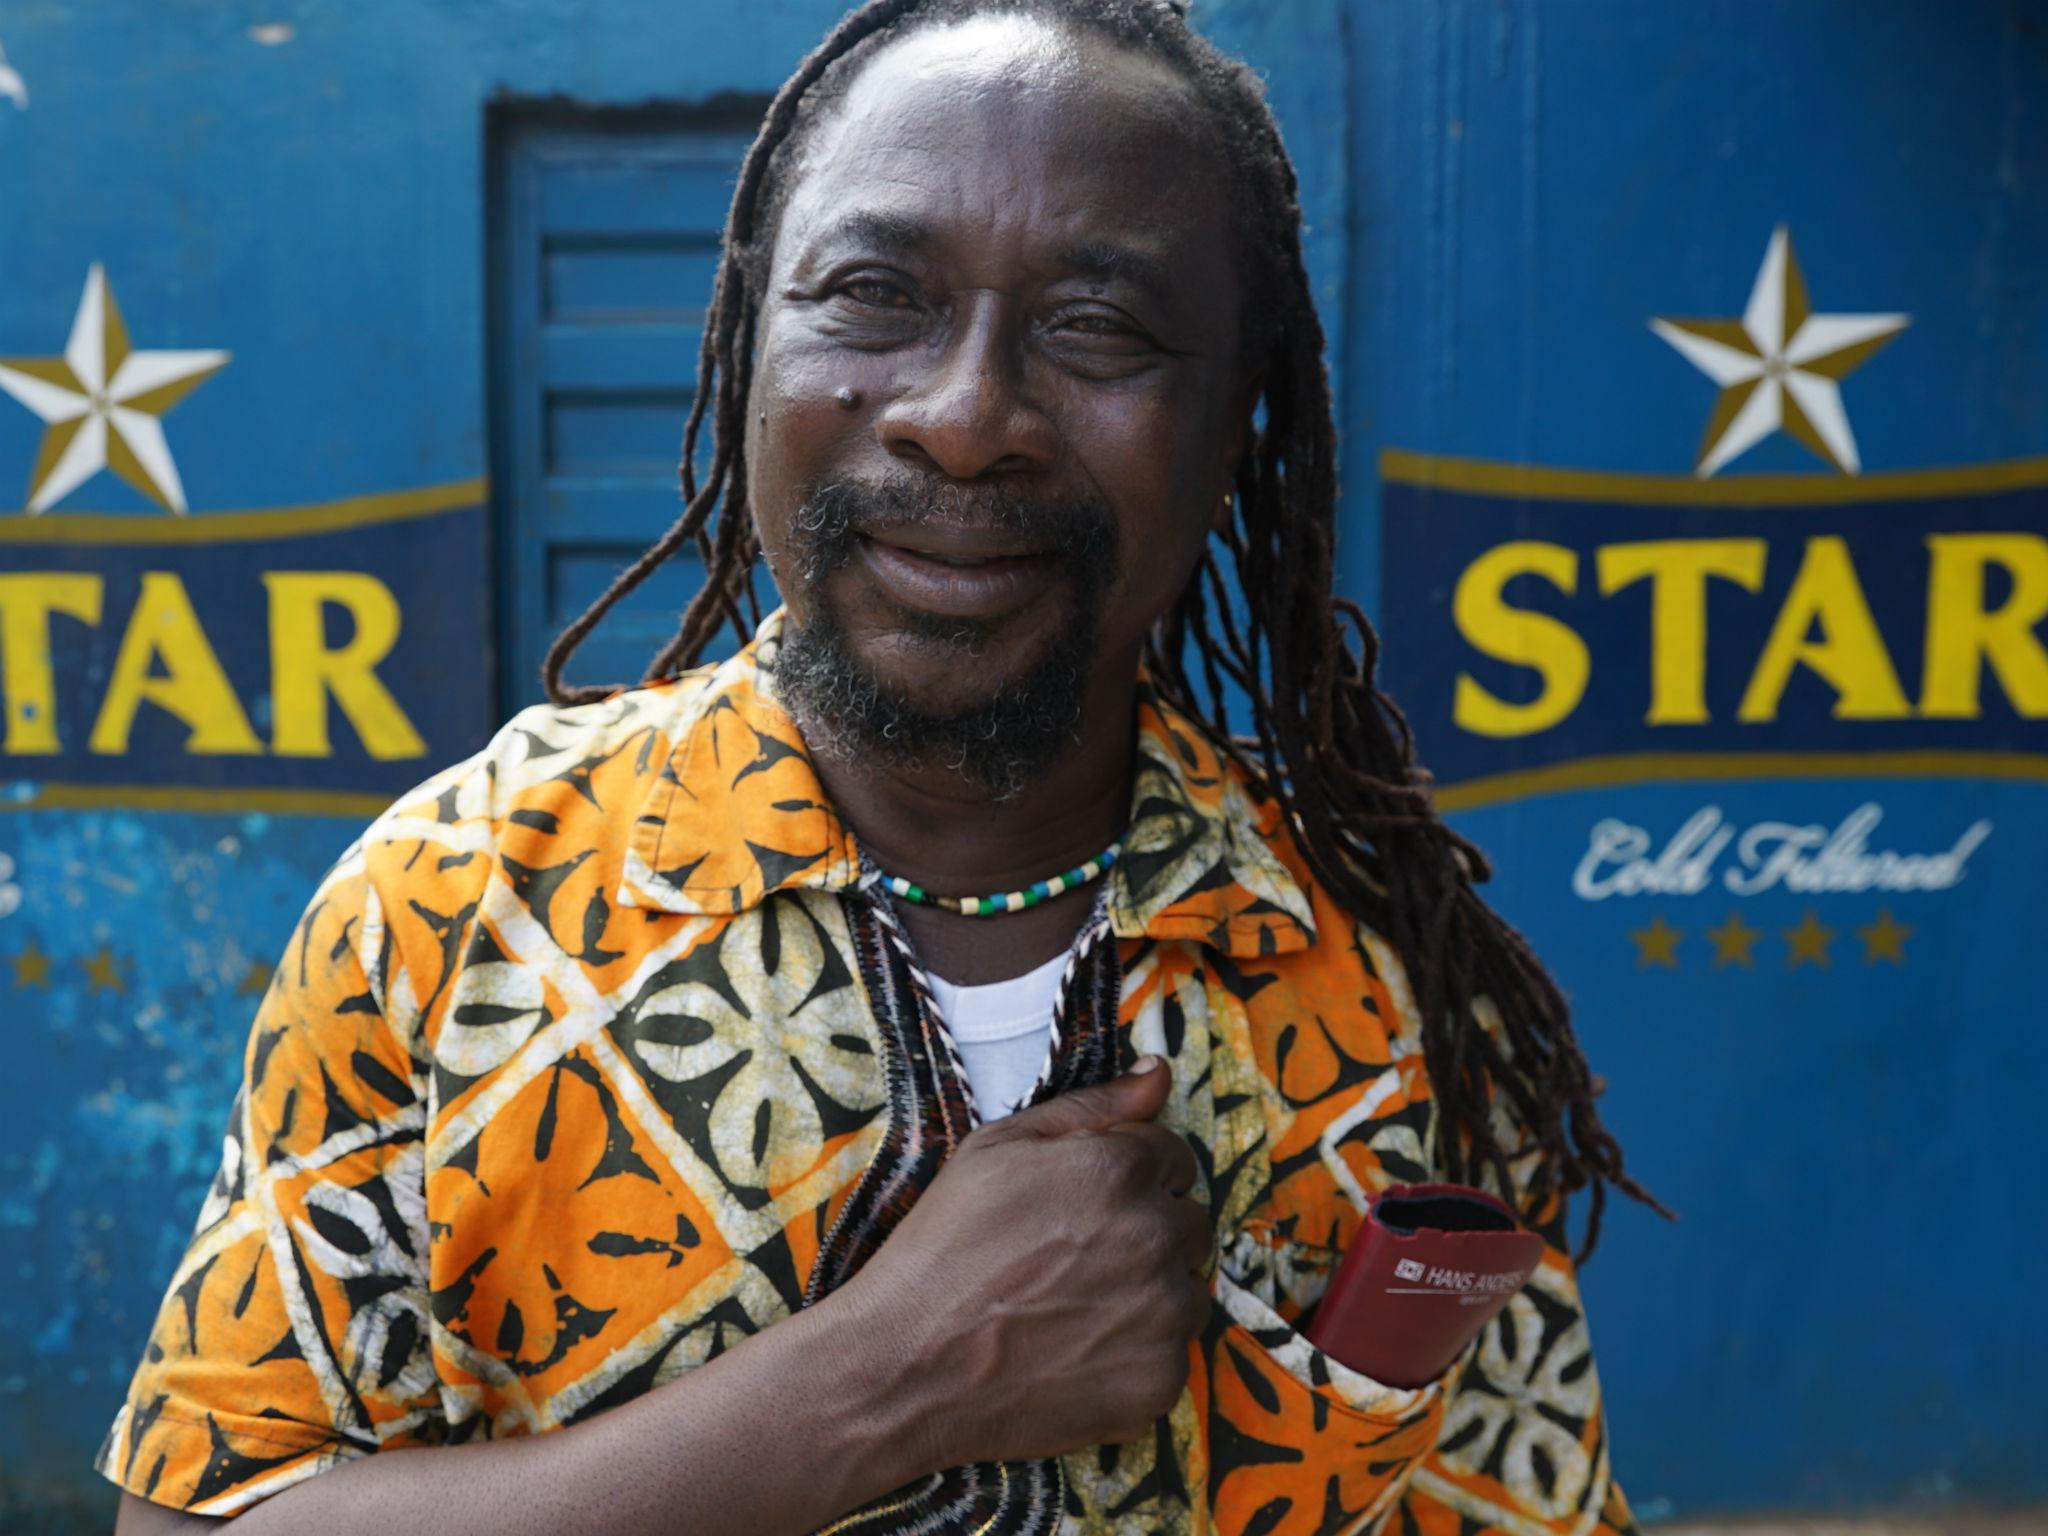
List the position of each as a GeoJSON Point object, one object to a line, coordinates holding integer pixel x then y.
{"type": "Point", "coordinates": [627, 1140]}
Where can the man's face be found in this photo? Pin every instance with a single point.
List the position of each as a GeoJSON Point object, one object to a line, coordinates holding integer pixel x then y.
{"type": "Point", "coordinates": [997, 396]}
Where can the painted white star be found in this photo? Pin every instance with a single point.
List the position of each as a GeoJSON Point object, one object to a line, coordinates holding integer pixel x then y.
{"type": "Point", "coordinates": [1780, 366]}
{"type": "Point", "coordinates": [12, 86]}
{"type": "Point", "coordinates": [101, 401]}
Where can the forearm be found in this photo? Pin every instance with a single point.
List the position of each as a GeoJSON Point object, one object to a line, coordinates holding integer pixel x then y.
{"type": "Point", "coordinates": [781, 1433]}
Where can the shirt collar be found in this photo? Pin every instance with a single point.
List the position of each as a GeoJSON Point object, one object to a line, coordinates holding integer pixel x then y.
{"type": "Point", "coordinates": [737, 813]}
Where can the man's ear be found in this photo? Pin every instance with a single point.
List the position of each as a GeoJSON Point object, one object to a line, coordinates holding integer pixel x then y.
{"type": "Point", "coordinates": [1236, 445]}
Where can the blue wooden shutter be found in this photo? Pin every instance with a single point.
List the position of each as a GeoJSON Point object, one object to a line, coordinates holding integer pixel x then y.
{"type": "Point", "coordinates": [606, 236]}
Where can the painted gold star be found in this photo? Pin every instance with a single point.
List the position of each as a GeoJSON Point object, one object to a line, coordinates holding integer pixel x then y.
{"type": "Point", "coordinates": [100, 402]}
{"type": "Point", "coordinates": [103, 972]}
{"type": "Point", "coordinates": [1733, 941]}
{"type": "Point", "coordinates": [1809, 941]}
{"type": "Point", "coordinates": [1657, 944]}
{"type": "Point", "coordinates": [1884, 939]}
{"type": "Point", "coordinates": [1780, 366]}
{"type": "Point", "coordinates": [254, 980]}
{"type": "Point", "coordinates": [31, 967]}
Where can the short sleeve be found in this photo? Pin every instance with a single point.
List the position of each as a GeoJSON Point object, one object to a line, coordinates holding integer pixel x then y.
{"type": "Point", "coordinates": [295, 1331]}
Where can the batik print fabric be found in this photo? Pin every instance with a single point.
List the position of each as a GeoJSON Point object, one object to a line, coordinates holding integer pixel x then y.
{"type": "Point", "coordinates": [601, 1052]}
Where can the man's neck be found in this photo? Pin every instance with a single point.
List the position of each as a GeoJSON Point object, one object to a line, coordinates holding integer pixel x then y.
{"type": "Point", "coordinates": [932, 827]}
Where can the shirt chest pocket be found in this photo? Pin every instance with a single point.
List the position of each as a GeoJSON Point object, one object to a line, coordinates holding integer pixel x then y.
{"type": "Point", "coordinates": [1288, 1427]}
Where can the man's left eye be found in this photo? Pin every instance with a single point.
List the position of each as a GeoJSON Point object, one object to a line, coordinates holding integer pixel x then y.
{"type": "Point", "coordinates": [1096, 325]}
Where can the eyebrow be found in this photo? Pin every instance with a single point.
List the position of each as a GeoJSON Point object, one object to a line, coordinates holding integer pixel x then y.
{"type": "Point", "coordinates": [1102, 259]}
{"type": "Point", "coordinates": [895, 233]}
{"type": "Point", "coordinates": [902, 235]}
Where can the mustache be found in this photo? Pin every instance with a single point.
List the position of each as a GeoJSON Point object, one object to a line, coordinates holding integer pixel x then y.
{"type": "Point", "coordinates": [828, 525]}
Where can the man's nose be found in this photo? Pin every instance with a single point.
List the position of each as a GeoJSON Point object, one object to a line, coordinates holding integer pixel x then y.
{"type": "Point", "coordinates": [966, 411]}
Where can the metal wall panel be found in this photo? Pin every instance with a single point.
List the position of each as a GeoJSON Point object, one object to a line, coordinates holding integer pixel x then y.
{"type": "Point", "coordinates": [606, 242]}
{"type": "Point", "coordinates": [1825, 1066]}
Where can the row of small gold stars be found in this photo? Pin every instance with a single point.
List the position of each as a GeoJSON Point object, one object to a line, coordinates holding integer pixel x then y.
{"type": "Point", "coordinates": [104, 970]}
{"type": "Point", "coordinates": [1884, 941]}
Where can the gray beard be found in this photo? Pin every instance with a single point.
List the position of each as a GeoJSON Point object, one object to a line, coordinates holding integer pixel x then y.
{"type": "Point", "coordinates": [999, 745]}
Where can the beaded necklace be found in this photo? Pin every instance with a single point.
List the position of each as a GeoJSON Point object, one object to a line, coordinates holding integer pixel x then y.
{"type": "Point", "coordinates": [1008, 901]}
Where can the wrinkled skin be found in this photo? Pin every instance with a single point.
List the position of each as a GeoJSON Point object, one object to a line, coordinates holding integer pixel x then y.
{"type": "Point", "coordinates": [1053, 1266]}
{"type": "Point", "coordinates": [1006, 246]}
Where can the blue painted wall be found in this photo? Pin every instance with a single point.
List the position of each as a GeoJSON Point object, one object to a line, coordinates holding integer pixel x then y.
{"type": "Point", "coordinates": [1843, 1316]}
{"type": "Point", "coordinates": [1501, 195]}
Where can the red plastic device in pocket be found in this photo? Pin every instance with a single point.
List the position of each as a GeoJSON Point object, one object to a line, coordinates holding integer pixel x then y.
{"type": "Point", "coordinates": [1430, 1267]}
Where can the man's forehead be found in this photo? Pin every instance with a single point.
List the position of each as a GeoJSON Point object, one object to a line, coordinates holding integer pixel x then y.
{"type": "Point", "coordinates": [1010, 115]}
{"type": "Point", "coordinates": [1009, 60]}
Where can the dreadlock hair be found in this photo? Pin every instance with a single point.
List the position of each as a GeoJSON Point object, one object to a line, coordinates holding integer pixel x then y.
{"type": "Point", "coordinates": [1326, 742]}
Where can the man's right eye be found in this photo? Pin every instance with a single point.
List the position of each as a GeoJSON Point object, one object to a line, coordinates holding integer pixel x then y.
{"type": "Point", "coordinates": [876, 293]}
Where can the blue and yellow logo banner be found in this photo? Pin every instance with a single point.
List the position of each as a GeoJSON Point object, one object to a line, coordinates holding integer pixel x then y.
{"type": "Point", "coordinates": [317, 658]}
{"type": "Point", "coordinates": [1552, 629]}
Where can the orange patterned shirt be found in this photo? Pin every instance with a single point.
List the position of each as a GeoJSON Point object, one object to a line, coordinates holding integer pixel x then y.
{"type": "Point", "coordinates": [602, 1050]}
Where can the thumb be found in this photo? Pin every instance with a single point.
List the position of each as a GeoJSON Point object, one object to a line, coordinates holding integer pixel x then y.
{"type": "Point", "coordinates": [1138, 1094]}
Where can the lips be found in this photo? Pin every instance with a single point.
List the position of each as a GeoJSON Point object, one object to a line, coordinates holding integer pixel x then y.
{"type": "Point", "coordinates": [955, 573]}
{"type": "Point", "coordinates": [960, 562]}
{"type": "Point", "coordinates": [956, 545]}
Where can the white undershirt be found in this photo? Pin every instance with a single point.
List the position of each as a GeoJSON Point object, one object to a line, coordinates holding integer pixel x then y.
{"type": "Point", "coordinates": [1002, 1030]}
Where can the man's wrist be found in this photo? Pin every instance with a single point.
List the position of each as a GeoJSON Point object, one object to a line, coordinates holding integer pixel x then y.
{"type": "Point", "coordinates": [906, 1416]}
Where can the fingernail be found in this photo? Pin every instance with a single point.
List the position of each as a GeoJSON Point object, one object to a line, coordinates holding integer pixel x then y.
{"type": "Point", "coordinates": [1146, 1064]}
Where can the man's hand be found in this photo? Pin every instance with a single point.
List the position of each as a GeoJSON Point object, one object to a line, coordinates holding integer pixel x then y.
{"type": "Point", "coordinates": [1048, 1277]}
